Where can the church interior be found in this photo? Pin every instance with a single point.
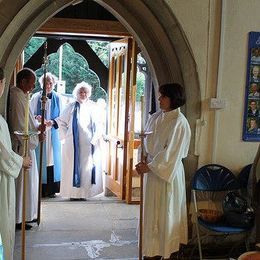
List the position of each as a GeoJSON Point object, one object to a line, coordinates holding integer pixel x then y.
{"type": "Point", "coordinates": [206, 46]}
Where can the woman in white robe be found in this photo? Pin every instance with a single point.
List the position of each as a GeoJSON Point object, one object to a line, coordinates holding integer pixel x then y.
{"type": "Point", "coordinates": [89, 132]}
{"type": "Point", "coordinates": [165, 214]}
{"type": "Point", "coordinates": [10, 165]}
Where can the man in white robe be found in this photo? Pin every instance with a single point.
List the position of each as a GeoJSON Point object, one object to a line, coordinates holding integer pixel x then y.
{"type": "Point", "coordinates": [165, 213]}
{"type": "Point", "coordinates": [52, 148]}
{"type": "Point", "coordinates": [10, 165]}
{"type": "Point", "coordinates": [25, 81]}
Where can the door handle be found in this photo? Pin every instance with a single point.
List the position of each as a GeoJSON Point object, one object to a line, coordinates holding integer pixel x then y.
{"type": "Point", "coordinates": [106, 139]}
{"type": "Point", "coordinates": [119, 145]}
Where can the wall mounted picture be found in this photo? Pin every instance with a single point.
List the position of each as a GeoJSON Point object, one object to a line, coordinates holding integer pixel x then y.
{"type": "Point", "coordinates": [251, 125]}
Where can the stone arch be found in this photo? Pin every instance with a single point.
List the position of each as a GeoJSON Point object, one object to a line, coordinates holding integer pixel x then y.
{"type": "Point", "coordinates": [167, 52]}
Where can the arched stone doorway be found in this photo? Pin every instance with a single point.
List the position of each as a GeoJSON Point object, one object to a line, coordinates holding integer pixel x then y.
{"type": "Point", "coordinates": [167, 51]}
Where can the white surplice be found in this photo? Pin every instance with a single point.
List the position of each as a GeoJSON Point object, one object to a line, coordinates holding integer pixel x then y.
{"type": "Point", "coordinates": [87, 117]}
{"type": "Point", "coordinates": [10, 165]}
{"type": "Point", "coordinates": [16, 122]}
{"type": "Point", "coordinates": [165, 213]}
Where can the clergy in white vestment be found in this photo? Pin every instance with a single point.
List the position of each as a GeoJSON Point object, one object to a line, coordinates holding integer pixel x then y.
{"type": "Point", "coordinates": [25, 80]}
{"type": "Point", "coordinates": [81, 156]}
{"type": "Point", "coordinates": [10, 165]}
{"type": "Point", "coordinates": [52, 148]}
{"type": "Point", "coordinates": [165, 213]}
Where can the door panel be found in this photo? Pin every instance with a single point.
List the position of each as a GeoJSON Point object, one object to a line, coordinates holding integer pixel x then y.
{"type": "Point", "coordinates": [121, 142]}
{"type": "Point", "coordinates": [133, 180]}
{"type": "Point", "coordinates": [118, 116]}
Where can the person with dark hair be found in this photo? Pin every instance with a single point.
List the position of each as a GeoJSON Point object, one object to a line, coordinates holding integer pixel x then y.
{"type": "Point", "coordinates": [25, 81]}
{"type": "Point", "coordinates": [52, 147]}
{"type": "Point", "coordinates": [10, 166]}
{"type": "Point", "coordinates": [165, 213]}
{"type": "Point", "coordinates": [255, 55]}
{"type": "Point", "coordinates": [254, 91]}
{"type": "Point", "coordinates": [252, 126]}
{"type": "Point", "coordinates": [253, 110]}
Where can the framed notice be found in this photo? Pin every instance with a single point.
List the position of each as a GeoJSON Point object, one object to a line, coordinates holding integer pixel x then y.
{"type": "Point", "coordinates": [251, 126]}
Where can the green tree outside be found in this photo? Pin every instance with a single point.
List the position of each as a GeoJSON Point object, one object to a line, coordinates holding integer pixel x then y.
{"type": "Point", "coordinates": [75, 68]}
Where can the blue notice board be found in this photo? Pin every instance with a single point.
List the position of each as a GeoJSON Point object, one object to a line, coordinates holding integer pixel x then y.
{"type": "Point", "coordinates": [251, 125]}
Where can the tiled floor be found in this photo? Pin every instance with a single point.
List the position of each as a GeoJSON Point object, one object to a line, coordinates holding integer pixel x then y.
{"type": "Point", "coordinates": [100, 228]}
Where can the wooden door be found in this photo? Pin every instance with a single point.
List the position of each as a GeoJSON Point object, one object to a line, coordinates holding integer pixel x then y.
{"type": "Point", "coordinates": [122, 74]}
{"type": "Point", "coordinates": [132, 178]}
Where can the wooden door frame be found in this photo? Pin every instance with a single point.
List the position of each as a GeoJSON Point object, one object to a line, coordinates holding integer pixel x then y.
{"type": "Point", "coordinates": [115, 77]}
{"type": "Point", "coordinates": [131, 134]}
{"type": "Point", "coordinates": [126, 132]}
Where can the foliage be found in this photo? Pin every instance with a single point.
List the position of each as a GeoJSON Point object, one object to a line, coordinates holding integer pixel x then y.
{"type": "Point", "coordinates": [32, 46]}
{"type": "Point", "coordinates": [140, 81]}
{"type": "Point", "coordinates": [75, 68]}
{"type": "Point", "coordinates": [101, 48]}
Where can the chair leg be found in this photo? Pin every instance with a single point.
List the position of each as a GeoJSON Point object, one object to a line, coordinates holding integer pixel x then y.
{"type": "Point", "coordinates": [197, 225]}
{"type": "Point", "coordinates": [198, 238]}
{"type": "Point", "coordinates": [247, 244]}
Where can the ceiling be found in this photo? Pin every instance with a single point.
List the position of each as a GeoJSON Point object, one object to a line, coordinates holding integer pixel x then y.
{"type": "Point", "coordinates": [87, 9]}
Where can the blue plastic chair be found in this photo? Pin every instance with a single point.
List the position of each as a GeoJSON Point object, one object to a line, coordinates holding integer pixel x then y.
{"type": "Point", "coordinates": [243, 176]}
{"type": "Point", "coordinates": [213, 178]}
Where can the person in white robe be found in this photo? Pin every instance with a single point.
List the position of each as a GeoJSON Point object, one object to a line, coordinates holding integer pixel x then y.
{"type": "Point", "coordinates": [25, 81]}
{"type": "Point", "coordinates": [165, 213]}
{"type": "Point", "coordinates": [81, 156]}
{"type": "Point", "coordinates": [51, 174]}
{"type": "Point", "coordinates": [10, 166]}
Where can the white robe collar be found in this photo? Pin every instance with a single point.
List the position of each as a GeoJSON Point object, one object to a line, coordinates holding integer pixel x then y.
{"type": "Point", "coordinates": [21, 91]}
{"type": "Point", "coordinates": [171, 114]}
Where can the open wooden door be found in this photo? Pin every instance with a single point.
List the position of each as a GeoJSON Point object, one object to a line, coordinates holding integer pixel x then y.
{"type": "Point", "coordinates": [120, 136]}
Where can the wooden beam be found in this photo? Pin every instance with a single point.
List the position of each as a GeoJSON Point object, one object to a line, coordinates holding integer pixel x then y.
{"type": "Point", "coordinates": [69, 26]}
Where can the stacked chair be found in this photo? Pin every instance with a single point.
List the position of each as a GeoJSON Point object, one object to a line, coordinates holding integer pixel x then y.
{"type": "Point", "coordinates": [211, 184]}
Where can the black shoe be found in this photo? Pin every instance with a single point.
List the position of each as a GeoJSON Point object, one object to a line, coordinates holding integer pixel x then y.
{"type": "Point", "coordinates": [74, 199]}
{"type": "Point", "coordinates": [19, 226]}
{"type": "Point", "coordinates": [32, 221]}
{"type": "Point", "coordinates": [52, 196]}
{"type": "Point", "coordinates": [157, 257]}
{"type": "Point", "coordinates": [78, 199]}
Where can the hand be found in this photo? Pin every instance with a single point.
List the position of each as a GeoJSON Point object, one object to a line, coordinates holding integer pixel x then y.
{"type": "Point", "coordinates": [142, 168]}
{"type": "Point", "coordinates": [42, 137]}
{"type": "Point", "coordinates": [42, 128]}
{"type": "Point", "coordinates": [27, 162]}
{"type": "Point", "coordinates": [38, 118]}
{"type": "Point", "coordinates": [49, 123]}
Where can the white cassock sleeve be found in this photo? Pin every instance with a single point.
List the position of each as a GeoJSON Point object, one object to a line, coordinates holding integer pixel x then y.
{"type": "Point", "coordinates": [98, 125]}
{"type": "Point", "coordinates": [64, 120]}
{"type": "Point", "coordinates": [10, 162]}
{"type": "Point", "coordinates": [17, 121]}
{"type": "Point", "coordinates": [165, 163]}
{"type": "Point", "coordinates": [34, 103]}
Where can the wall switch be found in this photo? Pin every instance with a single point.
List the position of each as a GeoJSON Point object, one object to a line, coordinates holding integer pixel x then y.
{"type": "Point", "coordinates": [217, 103]}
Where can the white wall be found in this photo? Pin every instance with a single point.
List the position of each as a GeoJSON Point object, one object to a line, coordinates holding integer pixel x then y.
{"type": "Point", "coordinates": [221, 136]}
{"type": "Point", "coordinates": [240, 17]}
